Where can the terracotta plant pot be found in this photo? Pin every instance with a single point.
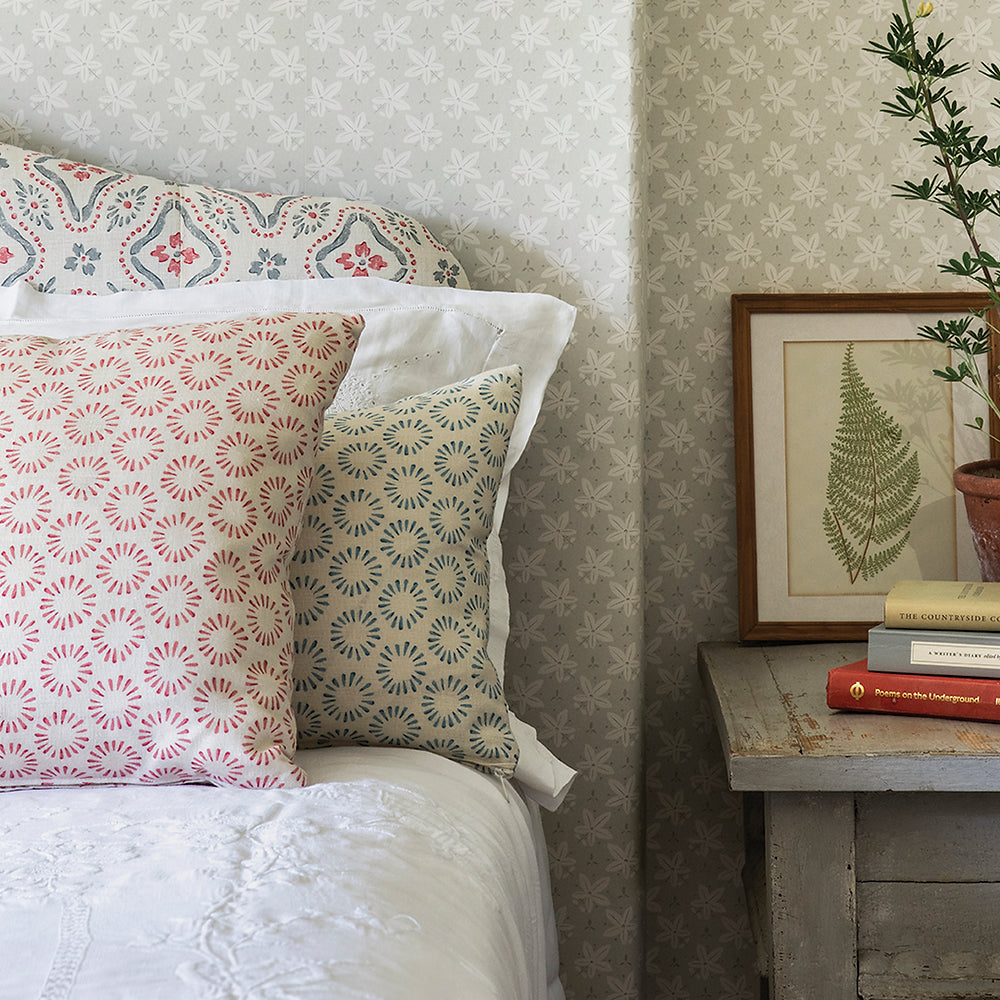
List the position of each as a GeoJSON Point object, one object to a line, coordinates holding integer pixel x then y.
{"type": "Point", "coordinates": [979, 484]}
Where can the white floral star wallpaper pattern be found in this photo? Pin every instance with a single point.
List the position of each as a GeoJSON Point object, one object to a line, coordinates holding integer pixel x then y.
{"type": "Point", "coordinates": [642, 159]}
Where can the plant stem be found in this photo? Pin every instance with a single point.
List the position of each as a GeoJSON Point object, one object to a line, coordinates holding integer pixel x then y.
{"type": "Point", "coordinates": [923, 89]}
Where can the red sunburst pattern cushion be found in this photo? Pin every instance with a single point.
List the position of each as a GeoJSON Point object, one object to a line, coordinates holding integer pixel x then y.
{"type": "Point", "coordinates": [152, 484]}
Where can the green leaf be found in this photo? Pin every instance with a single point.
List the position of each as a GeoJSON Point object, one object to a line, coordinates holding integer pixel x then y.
{"type": "Point", "coordinates": [961, 336]}
{"type": "Point", "coordinates": [959, 151]}
{"type": "Point", "coordinates": [924, 191]}
{"type": "Point", "coordinates": [871, 493]}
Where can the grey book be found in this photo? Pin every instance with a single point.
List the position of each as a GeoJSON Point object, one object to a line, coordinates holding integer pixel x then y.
{"type": "Point", "coordinates": [934, 651]}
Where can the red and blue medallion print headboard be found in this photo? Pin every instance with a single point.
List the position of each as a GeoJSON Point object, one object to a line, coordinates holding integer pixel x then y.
{"type": "Point", "coordinates": [74, 227]}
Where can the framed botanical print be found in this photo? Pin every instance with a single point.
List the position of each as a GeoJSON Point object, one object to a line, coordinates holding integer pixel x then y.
{"type": "Point", "coordinates": [846, 443]}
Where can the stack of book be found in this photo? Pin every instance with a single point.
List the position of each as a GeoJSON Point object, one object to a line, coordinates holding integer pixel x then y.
{"type": "Point", "coordinates": [936, 653]}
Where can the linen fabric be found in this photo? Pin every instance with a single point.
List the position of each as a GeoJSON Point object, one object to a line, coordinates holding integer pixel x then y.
{"type": "Point", "coordinates": [390, 576]}
{"type": "Point", "coordinates": [395, 873]}
{"type": "Point", "coordinates": [416, 338]}
{"type": "Point", "coordinates": [151, 495]}
{"type": "Point", "coordinates": [80, 228]}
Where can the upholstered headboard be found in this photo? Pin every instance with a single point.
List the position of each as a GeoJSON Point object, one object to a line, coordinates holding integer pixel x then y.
{"type": "Point", "coordinates": [108, 231]}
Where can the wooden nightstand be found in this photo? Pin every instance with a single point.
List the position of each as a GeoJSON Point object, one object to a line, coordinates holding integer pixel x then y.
{"type": "Point", "coordinates": [873, 853]}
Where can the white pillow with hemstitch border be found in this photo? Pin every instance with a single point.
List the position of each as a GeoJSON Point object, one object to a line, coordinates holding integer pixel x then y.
{"type": "Point", "coordinates": [417, 338]}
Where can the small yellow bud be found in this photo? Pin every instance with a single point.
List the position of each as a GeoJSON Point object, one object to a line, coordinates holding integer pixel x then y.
{"type": "Point", "coordinates": [924, 8]}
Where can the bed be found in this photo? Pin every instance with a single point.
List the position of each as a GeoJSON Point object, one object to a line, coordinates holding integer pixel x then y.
{"type": "Point", "coordinates": [254, 740]}
{"type": "Point", "coordinates": [394, 873]}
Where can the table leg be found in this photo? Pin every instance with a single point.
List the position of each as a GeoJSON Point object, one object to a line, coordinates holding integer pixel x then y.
{"type": "Point", "coordinates": [809, 843]}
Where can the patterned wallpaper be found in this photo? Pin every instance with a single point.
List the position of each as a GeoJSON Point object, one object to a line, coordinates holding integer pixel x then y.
{"type": "Point", "coordinates": [507, 128]}
{"type": "Point", "coordinates": [770, 170]}
{"type": "Point", "coordinates": [641, 159]}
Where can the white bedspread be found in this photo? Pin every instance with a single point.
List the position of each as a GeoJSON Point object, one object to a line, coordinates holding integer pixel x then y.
{"type": "Point", "coordinates": [395, 874]}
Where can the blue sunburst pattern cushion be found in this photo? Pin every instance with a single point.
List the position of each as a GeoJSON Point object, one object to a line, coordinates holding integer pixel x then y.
{"type": "Point", "coordinates": [391, 577]}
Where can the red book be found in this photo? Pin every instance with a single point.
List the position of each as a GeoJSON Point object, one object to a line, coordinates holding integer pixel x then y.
{"type": "Point", "coordinates": [858, 689]}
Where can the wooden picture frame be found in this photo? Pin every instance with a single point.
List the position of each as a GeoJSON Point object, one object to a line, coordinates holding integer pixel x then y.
{"type": "Point", "coordinates": [791, 355]}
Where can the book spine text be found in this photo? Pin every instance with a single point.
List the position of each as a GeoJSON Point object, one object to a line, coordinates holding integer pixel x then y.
{"type": "Point", "coordinates": [923, 651]}
{"type": "Point", "coordinates": [859, 689]}
{"type": "Point", "coordinates": [937, 604]}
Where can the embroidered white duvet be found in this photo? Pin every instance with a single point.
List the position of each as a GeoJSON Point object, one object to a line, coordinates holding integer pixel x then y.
{"type": "Point", "coordinates": [395, 875]}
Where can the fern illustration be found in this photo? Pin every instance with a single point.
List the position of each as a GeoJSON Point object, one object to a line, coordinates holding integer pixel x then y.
{"type": "Point", "coordinates": [871, 488]}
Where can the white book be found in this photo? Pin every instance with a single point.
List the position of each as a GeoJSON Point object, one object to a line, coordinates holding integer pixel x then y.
{"type": "Point", "coordinates": [934, 651]}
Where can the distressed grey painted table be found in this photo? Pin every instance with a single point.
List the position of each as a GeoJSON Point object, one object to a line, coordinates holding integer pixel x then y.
{"type": "Point", "coordinates": [873, 841]}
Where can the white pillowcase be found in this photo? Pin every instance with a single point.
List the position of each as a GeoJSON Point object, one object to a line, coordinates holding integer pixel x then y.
{"type": "Point", "coordinates": [417, 338]}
